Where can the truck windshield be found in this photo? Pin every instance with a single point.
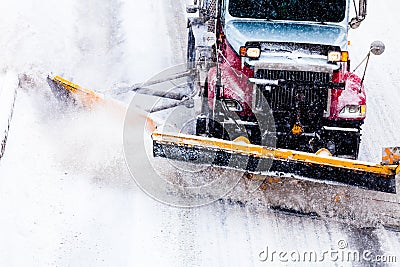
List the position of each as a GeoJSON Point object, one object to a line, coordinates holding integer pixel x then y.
{"type": "Point", "coordinates": [297, 10]}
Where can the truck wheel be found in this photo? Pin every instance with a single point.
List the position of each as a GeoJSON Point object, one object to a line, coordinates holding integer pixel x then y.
{"type": "Point", "coordinates": [344, 145]}
{"type": "Point", "coordinates": [207, 123]}
{"type": "Point", "coordinates": [350, 146]}
{"type": "Point", "coordinates": [203, 118]}
{"type": "Point", "coordinates": [191, 50]}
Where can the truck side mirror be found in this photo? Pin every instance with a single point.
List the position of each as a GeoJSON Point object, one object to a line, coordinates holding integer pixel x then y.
{"type": "Point", "coordinates": [377, 48]}
{"type": "Point", "coordinates": [361, 13]}
{"type": "Point", "coordinates": [355, 22]}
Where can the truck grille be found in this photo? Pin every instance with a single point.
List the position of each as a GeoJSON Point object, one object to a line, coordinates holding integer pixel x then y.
{"type": "Point", "coordinates": [280, 98]}
{"type": "Point", "coordinates": [286, 102]}
{"type": "Point", "coordinates": [294, 76]}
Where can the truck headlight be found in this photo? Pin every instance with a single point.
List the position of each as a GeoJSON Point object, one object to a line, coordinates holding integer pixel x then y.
{"type": "Point", "coordinates": [233, 105]}
{"type": "Point", "coordinates": [353, 111]}
{"type": "Point", "coordinates": [253, 52]}
{"type": "Point", "coordinates": [250, 52]}
{"type": "Point", "coordinates": [338, 56]}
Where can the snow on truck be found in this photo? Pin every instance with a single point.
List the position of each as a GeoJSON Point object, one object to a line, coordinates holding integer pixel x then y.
{"type": "Point", "coordinates": [276, 90]}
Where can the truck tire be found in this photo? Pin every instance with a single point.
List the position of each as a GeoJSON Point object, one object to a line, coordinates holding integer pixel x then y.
{"type": "Point", "coordinates": [191, 50]}
{"type": "Point", "coordinates": [344, 144]}
{"type": "Point", "coordinates": [207, 123]}
{"type": "Point", "coordinates": [350, 146]}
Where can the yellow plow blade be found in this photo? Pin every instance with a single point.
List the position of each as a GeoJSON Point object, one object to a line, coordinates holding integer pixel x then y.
{"type": "Point", "coordinates": [66, 90]}
{"type": "Point", "coordinates": [218, 152]}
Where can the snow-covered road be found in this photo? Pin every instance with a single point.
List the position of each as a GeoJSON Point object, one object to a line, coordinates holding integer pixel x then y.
{"type": "Point", "coordinates": [382, 79]}
{"type": "Point", "coordinates": [66, 196]}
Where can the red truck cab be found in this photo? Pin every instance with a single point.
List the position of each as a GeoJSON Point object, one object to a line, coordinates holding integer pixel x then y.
{"type": "Point", "coordinates": [278, 72]}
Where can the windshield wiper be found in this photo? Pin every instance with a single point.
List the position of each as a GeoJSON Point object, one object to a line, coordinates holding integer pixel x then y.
{"type": "Point", "coordinates": [267, 19]}
{"type": "Point", "coordinates": [321, 22]}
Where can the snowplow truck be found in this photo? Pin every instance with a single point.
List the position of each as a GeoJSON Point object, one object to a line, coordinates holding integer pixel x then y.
{"type": "Point", "coordinates": [277, 95]}
{"type": "Point", "coordinates": [286, 61]}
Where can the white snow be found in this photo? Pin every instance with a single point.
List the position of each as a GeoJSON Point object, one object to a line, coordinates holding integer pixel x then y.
{"type": "Point", "coordinates": [382, 77]}
{"type": "Point", "coordinates": [66, 196]}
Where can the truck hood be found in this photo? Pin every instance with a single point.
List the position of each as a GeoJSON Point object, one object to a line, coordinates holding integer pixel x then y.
{"type": "Point", "coordinates": [239, 32]}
